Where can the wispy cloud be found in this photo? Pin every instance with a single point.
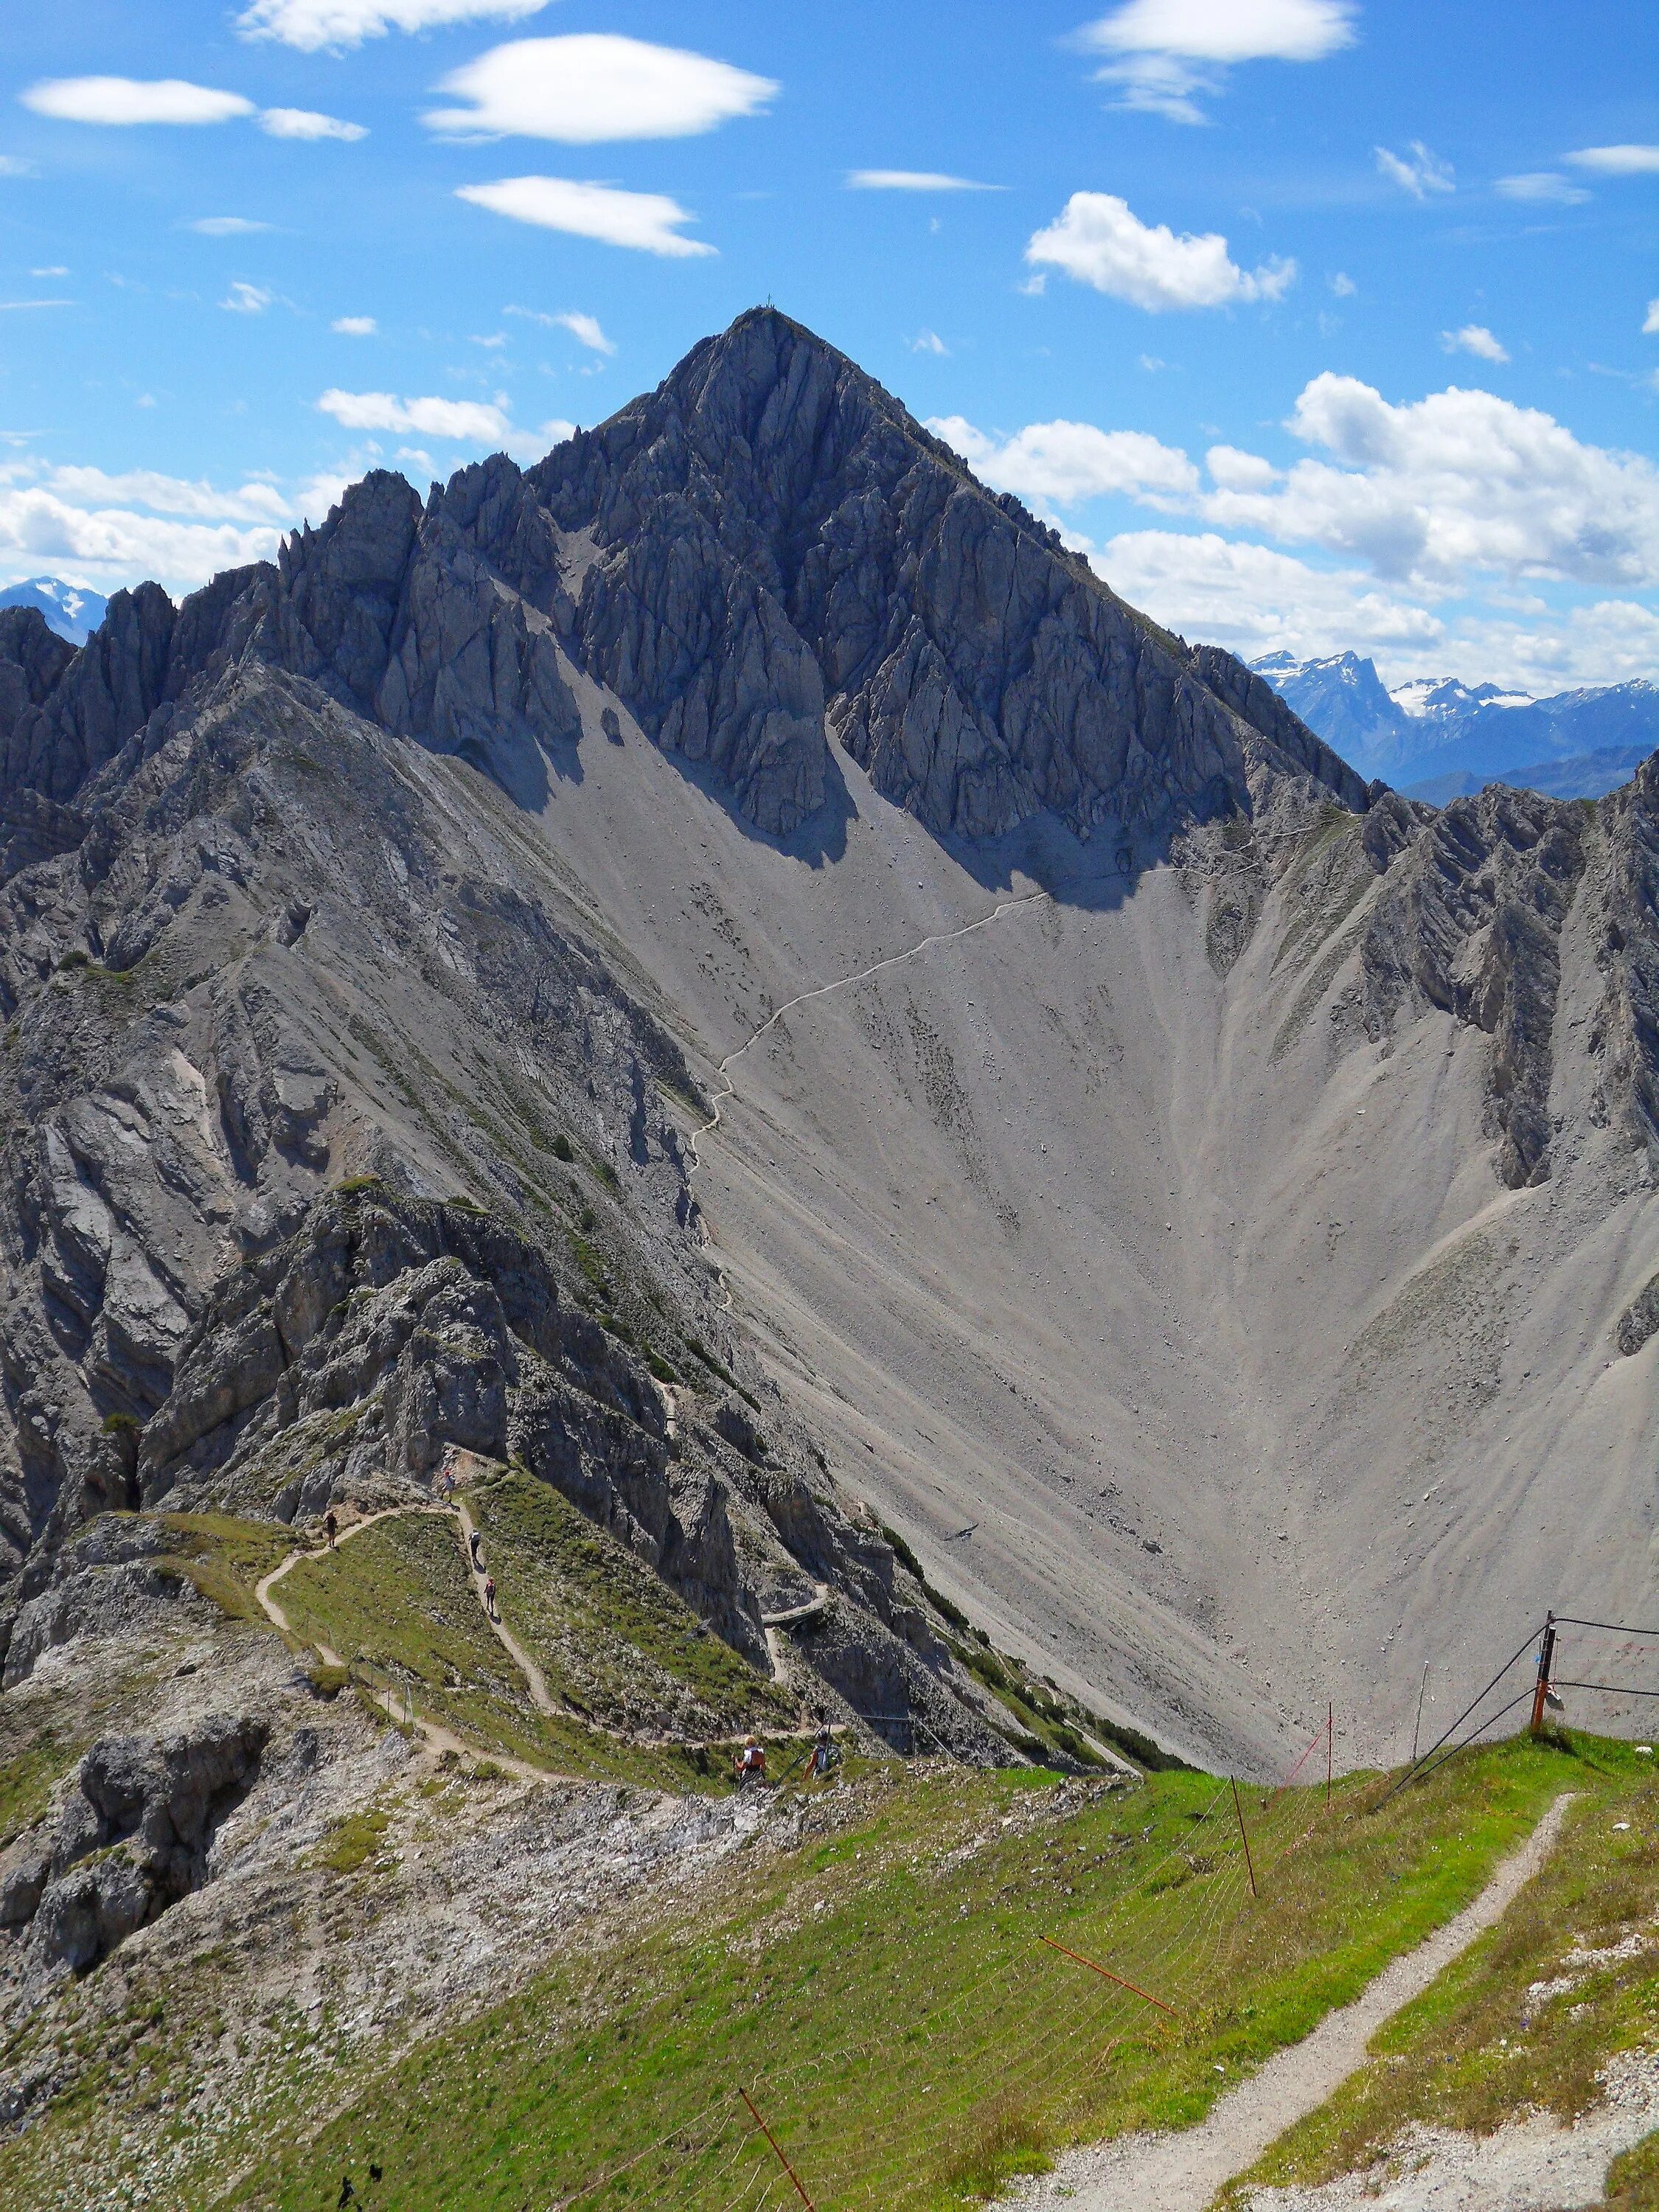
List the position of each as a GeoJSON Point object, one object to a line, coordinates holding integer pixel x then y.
{"type": "Point", "coordinates": [306, 123]}
{"type": "Point", "coordinates": [1618, 161]}
{"type": "Point", "coordinates": [914, 181]}
{"type": "Point", "coordinates": [318, 26]}
{"type": "Point", "coordinates": [125, 100]}
{"type": "Point", "coordinates": [466, 421]}
{"type": "Point", "coordinates": [649, 222]}
{"type": "Point", "coordinates": [14, 165]}
{"type": "Point", "coordinates": [1417, 171]}
{"type": "Point", "coordinates": [227, 226]}
{"type": "Point", "coordinates": [1544, 185]}
{"type": "Point", "coordinates": [1166, 54]}
{"type": "Point", "coordinates": [22, 307]}
{"type": "Point", "coordinates": [355, 326]}
{"type": "Point", "coordinates": [246, 299]}
{"type": "Point", "coordinates": [594, 86]}
{"type": "Point", "coordinates": [930, 341]}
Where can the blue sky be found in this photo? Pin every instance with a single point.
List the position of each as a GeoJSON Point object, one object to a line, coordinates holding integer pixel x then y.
{"type": "Point", "coordinates": [1319, 324]}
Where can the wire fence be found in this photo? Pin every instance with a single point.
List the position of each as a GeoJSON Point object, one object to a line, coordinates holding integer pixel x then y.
{"type": "Point", "coordinates": [1040, 2020]}
{"type": "Point", "coordinates": [1035, 2019]}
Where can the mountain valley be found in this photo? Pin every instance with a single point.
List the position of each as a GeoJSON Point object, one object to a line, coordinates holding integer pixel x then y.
{"type": "Point", "coordinates": [934, 1161]}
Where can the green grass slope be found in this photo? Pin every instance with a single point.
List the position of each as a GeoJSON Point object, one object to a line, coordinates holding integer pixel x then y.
{"type": "Point", "coordinates": [1531, 2012]}
{"type": "Point", "coordinates": [883, 1997]}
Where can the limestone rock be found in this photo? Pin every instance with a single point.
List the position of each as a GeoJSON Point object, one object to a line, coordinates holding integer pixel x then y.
{"type": "Point", "coordinates": [148, 1808]}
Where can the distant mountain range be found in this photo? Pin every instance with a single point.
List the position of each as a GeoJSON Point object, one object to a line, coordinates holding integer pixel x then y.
{"type": "Point", "coordinates": [1435, 736]}
{"type": "Point", "coordinates": [70, 609]}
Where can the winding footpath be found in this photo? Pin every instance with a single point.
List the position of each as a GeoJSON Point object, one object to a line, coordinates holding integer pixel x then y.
{"type": "Point", "coordinates": [442, 1739]}
{"type": "Point", "coordinates": [432, 1733]}
{"type": "Point", "coordinates": [1182, 2172]}
{"type": "Point", "coordinates": [728, 1088]}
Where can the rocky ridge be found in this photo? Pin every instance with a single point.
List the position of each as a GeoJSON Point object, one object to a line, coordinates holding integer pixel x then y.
{"type": "Point", "coordinates": [273, 921]}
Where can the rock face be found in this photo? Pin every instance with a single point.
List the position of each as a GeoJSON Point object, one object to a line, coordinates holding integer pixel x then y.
{"type": "Point", "coordinates": [133, 1839]}
{"type": "Point", "coordinates": [766, 552]}
{"type": "Point", "coordinates": [780, 548]}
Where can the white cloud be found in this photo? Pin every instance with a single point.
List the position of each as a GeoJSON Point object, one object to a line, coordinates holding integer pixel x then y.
{"type": "Point", "coordinates": [596, 85]}
{"type": "Point", "coordinates": [1165, 53]}
{"type": "Point", "coordinates": [1547, 185]}
{"type": "Point", "coordinates": [930, 341]}
{"type": "Point", "coordinates": [14, 165]}
{"type": "Point", "coordinates": [1612, 641]}
{"type": "Point", "coordinates": [1432, 496]}
{"type": "Point", "coordinates": [23, 307]}
{"type": "Point", "coordinates": [1618, 161]}
{"type": "Point", "coordinates": [1059, 464]}
{"type": "Point", "coordinates": [355, 326]}
{"type": "Point", "coordinates": [58, 271]}
{"type": "Point", "coordinates": [1236, 470]}
{"type": "Point", "coordinates": [648, 222]}
{"type": "Point", "coordinates": [1475, 338]}
{"type": "Point", "coordinates": [315, 25]}
{"type": "Point", "coordinates": [1097, 241]}
{"type": "Point", "coordinates": [1456, 485]}
{"type": "Point", "coordinates": [1255, 600]}
{"type": "Point", "coordinates": [227, 226]}
{"type": "Point", "coordinates": [528, 446]}
{"type": "Point", "coordinates": [306, 123]}
{"type": "Point", "coordinates": [912, 180]}
{"type": "Point", "coordinates": [1649, 327]}
{"type": "Point", "coordinates": [493, 343]}
{"type": "Point", "coordinates": [584, 329]}
{"type": "Point", "coordinates": [112, 545]}
{"type": "Point", "coordinates": [1417, 171]}
{"type": "Point", "coordinates": [148, 488]}
{"type": "Point", "coordinates": [469, 422]}
{"type": "Point", "coordinates": [247, 299]}
{"type": "Point", "coordinates": [124, 100]}
{"type": "Point", "coordinates": [1343, 285]}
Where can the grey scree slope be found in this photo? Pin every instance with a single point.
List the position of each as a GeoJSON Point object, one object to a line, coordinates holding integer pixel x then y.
{"type": "Point", "coordinates": [1247, 1240]}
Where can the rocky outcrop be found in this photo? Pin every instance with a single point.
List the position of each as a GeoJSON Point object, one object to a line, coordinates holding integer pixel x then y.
{"type": "Point", "coordinates": [133, 1837]}
{"type": "Point", "coordinates": [779, 548]}
{"type": "Point", "coordinates": [1470, 921]}
{"type": "Point", "coordinates": [765, 551]}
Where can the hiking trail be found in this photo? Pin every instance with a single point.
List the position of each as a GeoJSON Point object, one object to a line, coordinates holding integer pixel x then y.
{"type": "Point", "coordinates": [1182, 2172]}
{"type": "Point", "coordinates": [535, 1681]}
{"type": "Point", "coordinates": [729, 1089]}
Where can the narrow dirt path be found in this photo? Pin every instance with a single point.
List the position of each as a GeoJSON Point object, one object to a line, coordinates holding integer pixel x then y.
{"type": "Point", "coordinates": [534, 1680]}
{"type": "Point", "coordinates": [841, 983]}
{"type": "Point", "coordinates": [432, 1733]}
{"type": "Point", "coordinates": [1182, 2173]}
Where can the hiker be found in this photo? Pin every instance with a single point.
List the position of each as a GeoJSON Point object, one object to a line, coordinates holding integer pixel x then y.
{"type": "Point", "coordinates": [477, 1556]}
{"type": "Point", "coordinates": [332, 1525]}
{"type": "Point", "coordinates": [823, 1758]}
{"type": "Point", "coordinates": [490, 1597]}
{"type": "Point", "coordinates": [751, 1763]}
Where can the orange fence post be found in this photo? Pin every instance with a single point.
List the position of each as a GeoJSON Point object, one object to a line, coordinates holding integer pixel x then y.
{"type": "Point", "coordinates": [1106, 1971]}
{"type": "Point", "coordinates": [1248, 1867]}
{"type": "Point", "coordinates": [800, 2187]}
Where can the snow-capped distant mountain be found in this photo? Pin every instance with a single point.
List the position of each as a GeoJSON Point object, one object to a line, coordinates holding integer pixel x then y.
{"type": "Point", "coordinates": [70, 609]}
{"type": "Point", "coordinates": [1436, 735]}
{"type": "Point", "coordinates": [1343, 700]}
{"type": "Point", "coordinates": [1443, 698]}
